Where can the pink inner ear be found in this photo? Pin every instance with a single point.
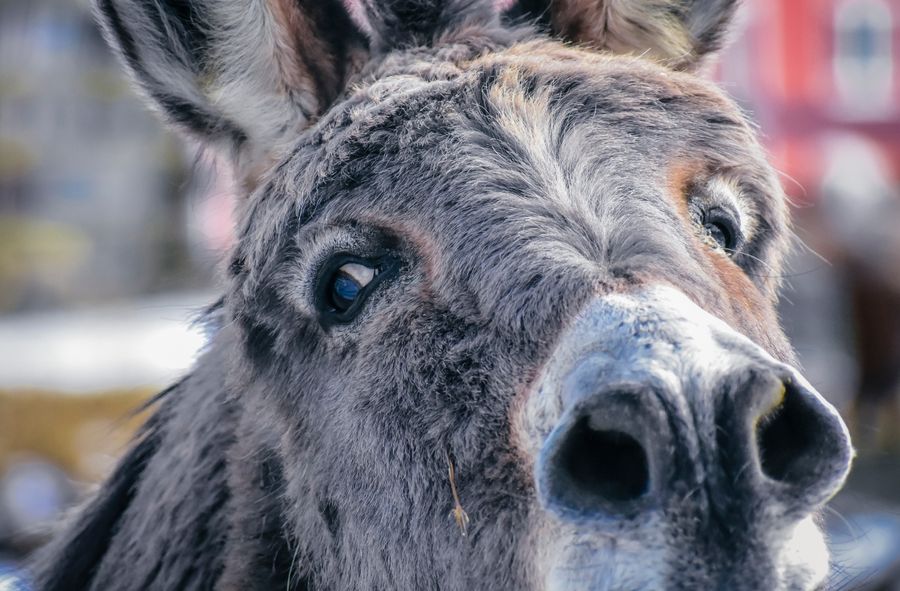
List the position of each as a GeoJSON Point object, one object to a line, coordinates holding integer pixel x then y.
{"type": "Point", "coordinates": [358, 15]}
{"type": "Point", "coordinates": [503, 5]}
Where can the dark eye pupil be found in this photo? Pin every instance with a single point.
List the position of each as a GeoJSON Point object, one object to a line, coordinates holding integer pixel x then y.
{"type": "Point", "coordinates": [720, 234]}
{"type": "Point", "coordinates": [344, 291]}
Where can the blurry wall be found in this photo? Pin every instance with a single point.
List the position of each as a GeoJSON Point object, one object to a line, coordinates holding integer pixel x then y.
{"type": "Point", "coordinates": [94, 198]}
{"type": "Point", "coordinates": [110, 230]}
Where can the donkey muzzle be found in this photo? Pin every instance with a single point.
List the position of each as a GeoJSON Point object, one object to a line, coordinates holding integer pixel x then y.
{"type": "Point", "coordinates": [651, 406]}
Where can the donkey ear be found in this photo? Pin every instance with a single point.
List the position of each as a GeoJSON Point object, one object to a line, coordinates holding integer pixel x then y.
{"type": "Point", "coordinates": [241, 76]}
{"type": "Point", "coordinates": [679, 33]}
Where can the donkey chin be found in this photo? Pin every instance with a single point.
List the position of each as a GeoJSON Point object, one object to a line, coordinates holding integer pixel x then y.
{"type": "Point", "coordinates": [672, 452]}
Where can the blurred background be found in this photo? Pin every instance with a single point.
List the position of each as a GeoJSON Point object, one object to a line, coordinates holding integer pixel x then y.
{"type": "Point", "coordinates": [111, 231]}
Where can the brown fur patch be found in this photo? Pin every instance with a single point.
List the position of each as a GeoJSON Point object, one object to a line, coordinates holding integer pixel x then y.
{"type": "Point", "coordinates": [745, 302]}
{"type": "Point", "coordinates": [680, 177]}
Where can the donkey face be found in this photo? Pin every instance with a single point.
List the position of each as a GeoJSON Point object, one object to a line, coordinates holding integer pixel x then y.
{"type": "Point", "coordinates": [501, 311]}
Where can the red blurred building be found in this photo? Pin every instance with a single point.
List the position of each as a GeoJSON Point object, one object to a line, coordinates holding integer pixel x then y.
{"type": "Point", "coordinates": [814, 70]}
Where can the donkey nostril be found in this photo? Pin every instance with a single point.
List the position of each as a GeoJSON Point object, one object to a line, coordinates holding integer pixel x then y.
{"type": "Point", "coordinates": [599, 468]}
{"type": "Point", "coordinates": [790, 438]}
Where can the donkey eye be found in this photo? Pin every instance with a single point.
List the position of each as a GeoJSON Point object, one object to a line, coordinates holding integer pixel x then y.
{"type": "Point", "coordinates": [347, 284]}
{"type": "Point", "coordinates": [343, 287]}
{"type": "Point", "coordinates": [721, 229]}
{"type": "Point", "coordinates": [720, 234]}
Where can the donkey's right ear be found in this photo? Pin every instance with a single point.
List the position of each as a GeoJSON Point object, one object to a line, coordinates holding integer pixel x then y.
{"type": "Point", "coordinates": [241, 76]}
{"type": "Point", "coordinates": [679, 33]}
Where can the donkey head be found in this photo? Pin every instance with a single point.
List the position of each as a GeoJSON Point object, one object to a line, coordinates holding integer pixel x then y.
{"type": "Point", "coordinates": [501, 307]}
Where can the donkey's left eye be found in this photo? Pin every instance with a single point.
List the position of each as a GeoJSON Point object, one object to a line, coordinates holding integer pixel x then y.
{"type": "Point", "coordinates": [720, 234]}
{"type": "Point", "coordinates": [722, 230]}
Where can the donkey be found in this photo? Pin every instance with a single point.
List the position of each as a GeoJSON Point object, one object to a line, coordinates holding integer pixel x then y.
{"type": "Point", "coordinates": [499, 315]}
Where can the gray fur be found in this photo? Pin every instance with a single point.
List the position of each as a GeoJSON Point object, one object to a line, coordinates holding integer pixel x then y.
{"type": "Point", "coordinates": [513, 181]}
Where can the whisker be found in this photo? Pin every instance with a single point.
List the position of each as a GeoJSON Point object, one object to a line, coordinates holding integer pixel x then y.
{"type": "Point", "coordinates": [290, 575]}
{"type": "Point", "coordinates": [836, 513]}
{"type": "Point", "coordinates": [796, 183]}
{"type": "Point", "coordinates": [795, 237]}
{"type": "Point", "coordinates": [767, 265]}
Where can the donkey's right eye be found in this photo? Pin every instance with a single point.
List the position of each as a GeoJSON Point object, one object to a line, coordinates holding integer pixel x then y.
{"type": "Point", "coordinates": [343, 287]}
{"type": "Point", "coordinates": [348, 283]}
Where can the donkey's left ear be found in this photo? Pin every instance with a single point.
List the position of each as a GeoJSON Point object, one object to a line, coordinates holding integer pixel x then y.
{"type": "Point", "coordinates": [678, 33]}
{"type": "Point", "coordinates": [241, 76]}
